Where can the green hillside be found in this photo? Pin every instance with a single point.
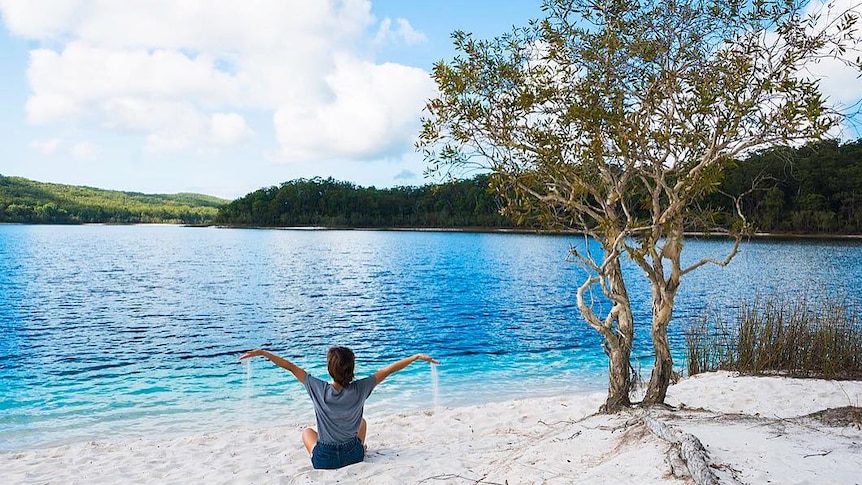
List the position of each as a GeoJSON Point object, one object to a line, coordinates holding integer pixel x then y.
{"type": "Point", "coordinates": [28, 201]}
{"type": "Point", "coordinates": [332, 203]}
{"type": "Point", "coordinates": [813, 189]}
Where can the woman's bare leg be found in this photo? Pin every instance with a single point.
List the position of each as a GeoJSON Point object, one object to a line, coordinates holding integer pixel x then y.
{"type": "Point", "coordinates": [363, 430]}
{"type": "Point", "coordinates": [309, 436]}
{"type": "Point", "coordinates": [309, 439]}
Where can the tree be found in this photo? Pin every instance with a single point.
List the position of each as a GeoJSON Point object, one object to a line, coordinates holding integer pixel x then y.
{"type": "Point", "coordinates": [615, 118]}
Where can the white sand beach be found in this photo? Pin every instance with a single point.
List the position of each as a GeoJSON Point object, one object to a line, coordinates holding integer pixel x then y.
{"type": "Point", "coordinates": [755, 431]}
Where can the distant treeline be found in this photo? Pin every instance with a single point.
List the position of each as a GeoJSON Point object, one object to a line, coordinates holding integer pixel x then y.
{"type": "Point", "coordinates": [330, 203]}
{"type": "Point", "coordinates": [28, 201]}
{"type": "Point", "coordinates": [812, 189]}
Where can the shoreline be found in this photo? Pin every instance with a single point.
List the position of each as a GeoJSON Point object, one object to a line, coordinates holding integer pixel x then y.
{"type": "Point", "coordinates": [489, 230]}
{"type": "Point", "coordinates": [755, 430]}
{"type": "Point", "coordinates": [250, 410]}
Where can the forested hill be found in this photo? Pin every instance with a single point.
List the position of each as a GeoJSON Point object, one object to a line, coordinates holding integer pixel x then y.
{"type": "Point", "coordinates": [28, 201]}
{"type": "Point", "coordinates": [813, 189]}
{"type": "Point", "coordinates": [331, 203]}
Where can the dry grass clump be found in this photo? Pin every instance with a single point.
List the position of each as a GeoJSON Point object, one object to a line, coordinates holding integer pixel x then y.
{"type": "Point", "coordinates": [779, 335]}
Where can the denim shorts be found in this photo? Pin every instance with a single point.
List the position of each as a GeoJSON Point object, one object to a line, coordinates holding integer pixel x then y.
{"type": "Point", "coordinates": [330, 456]}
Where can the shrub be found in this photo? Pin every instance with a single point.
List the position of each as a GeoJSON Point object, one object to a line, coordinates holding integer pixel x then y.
{"type": "Point", "coordinates": [781, 335]}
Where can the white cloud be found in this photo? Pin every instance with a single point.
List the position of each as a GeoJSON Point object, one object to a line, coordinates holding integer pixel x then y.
{"type": "Point", "coordinates": [187, 74]}
{"type": "Point", "coordinates": [228, 128]}
{"type": "Point", "coordinates": [85, 150]}
{"type": "Point", "coordinates": [49, 107]}
{"type": "Point", "coordinates": [838, 81]}
{"type": "Point", "coordinates": [46, 147]}
{"type": "Point", "coordinates": [373, 112]}
{"type": "Point", "coordinates": [213, 25]}
{"type": "Point", "coordinates": [404, 32]}
{"type": "Point", "coordinates": [84, 72]}
{"type": "Point", "coordinates": [36, 20]}
{"type": "Point", "coordinates": [405, 174]}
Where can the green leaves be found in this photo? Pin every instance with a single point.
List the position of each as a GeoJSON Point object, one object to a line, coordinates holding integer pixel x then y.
{"type": "Point", "coordinates": [604, 93]}
{"type": "Point", "coordinates": [618, 119]}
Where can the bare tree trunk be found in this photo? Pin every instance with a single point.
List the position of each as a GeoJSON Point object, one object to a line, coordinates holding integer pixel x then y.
{"type": "Point", "coordinates": [663, 295]}
{"type": "Point", "coordinates": [690, 449]}
{"type": "Point", "coordinates": [619, 345]}
{"type": "Point", "coordinates": [619, 377]}
{"type": "Point", "coordinates": [662, 370]}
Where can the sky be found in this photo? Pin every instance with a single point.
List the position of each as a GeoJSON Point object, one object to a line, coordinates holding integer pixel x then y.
{"type": "Point", "coordinates": [222, 97]}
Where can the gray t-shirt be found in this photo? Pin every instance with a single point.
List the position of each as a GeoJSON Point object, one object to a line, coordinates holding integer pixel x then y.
{"type": "Point", "coordinates": [338, 414]}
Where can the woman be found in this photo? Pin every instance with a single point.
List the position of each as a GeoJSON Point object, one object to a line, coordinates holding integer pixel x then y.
{"type": "Point", "coordinates": [337, 406]}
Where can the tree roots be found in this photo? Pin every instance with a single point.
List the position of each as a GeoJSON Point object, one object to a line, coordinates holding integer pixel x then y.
{"type": "Point", "coordinates": [687, 450]}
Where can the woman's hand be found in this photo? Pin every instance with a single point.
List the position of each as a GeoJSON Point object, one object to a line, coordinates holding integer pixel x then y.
{"type": "Point", "coordinates": [252, 353]}
{"type": "Point", "coordinates": [426, 358]}
{"type": "Point", "coordinates": [389, 369]}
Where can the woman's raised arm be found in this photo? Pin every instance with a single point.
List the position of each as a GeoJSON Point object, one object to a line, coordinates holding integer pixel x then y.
{"type": "Point", "coordinates": [397, 366]}
{"type": "Point", "coordinates": [297, 371]}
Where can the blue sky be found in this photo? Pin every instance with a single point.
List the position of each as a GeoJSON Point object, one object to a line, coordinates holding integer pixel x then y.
{"type": "Point", "coordinates": [223, 97]}
{"type": "Point", "coordinates": [215, 97]}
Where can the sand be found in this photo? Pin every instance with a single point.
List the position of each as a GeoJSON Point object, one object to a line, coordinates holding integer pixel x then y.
{"type": "Point", "coordinates": [754, 430]}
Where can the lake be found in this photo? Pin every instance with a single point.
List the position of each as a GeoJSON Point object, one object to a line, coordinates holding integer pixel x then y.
{"type": "Point", "coordinates": [133, 331]}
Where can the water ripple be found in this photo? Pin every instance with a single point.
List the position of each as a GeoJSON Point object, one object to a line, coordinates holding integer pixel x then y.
{"type": "Point", "coordinates": [125, 329]}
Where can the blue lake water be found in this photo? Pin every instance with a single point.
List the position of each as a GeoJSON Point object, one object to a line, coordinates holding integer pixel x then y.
{"type": "Point", "coordinates": [112, 332]}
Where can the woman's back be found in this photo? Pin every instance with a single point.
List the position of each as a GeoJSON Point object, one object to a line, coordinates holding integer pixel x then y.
{"type": "Point", "coordinates": [338, 413]}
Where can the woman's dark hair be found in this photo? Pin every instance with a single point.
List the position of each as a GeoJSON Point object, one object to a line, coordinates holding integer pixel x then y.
{"type": "Point", "coordinates": [340, 362]}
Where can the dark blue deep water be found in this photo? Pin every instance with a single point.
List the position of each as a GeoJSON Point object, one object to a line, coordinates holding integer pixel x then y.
{"type": "Point", "coordinates": [128, 331]}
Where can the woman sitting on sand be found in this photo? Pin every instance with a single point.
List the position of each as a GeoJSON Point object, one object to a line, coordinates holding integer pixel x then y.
{"type": "Point", "coordinates": [338, 406]}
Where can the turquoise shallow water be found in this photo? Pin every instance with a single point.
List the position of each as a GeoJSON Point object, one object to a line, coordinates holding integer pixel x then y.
{"type": "Point", "coordinates": [126, 331]}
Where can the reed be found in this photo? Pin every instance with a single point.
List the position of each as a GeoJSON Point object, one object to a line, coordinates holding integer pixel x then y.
{"type": "Point", "coordinates": [799, 337]}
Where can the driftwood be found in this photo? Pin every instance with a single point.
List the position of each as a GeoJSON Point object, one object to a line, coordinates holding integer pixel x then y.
{"type": "Point", "coordinates": [846, 416]}
{"type": "Point", "coordinates": [691, 450]}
